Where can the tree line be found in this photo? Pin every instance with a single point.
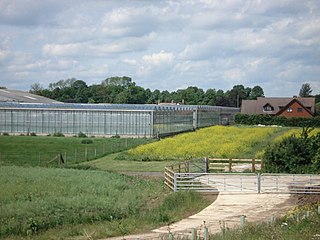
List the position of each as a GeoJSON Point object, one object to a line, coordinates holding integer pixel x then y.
{"type": "Point", "coordinates": [124, 90]}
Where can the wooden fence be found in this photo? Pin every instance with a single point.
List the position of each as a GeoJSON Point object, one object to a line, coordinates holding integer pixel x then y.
{"type": "Point", "coordinates": [232, 165]}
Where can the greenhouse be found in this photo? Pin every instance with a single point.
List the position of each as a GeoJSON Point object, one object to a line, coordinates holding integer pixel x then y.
{"type": "Point", "coordinates": [131, 120]}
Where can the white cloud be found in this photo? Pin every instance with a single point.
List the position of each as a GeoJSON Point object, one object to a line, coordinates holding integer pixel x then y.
{"type": "Point", "coordinates": [162, 44]}
{"type": "Point", "coordinates": [159, 58]}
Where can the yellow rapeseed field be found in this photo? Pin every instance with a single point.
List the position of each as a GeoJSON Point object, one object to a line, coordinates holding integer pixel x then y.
{"type": "Point", "coordinates": [216, 141]}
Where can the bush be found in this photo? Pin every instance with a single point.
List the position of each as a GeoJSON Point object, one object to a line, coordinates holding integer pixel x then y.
{"type": "Point", "coordinates": [277, 120]}
{"type": "Point", "coordinates": [86, 141]}
{"type": "Point", "coordinates": [5, 134]}
{"type": "Point", "coordinates": [294, 154]}
{"type": "Point", "coordinates": [115, 136]}
{"type": "Point", "coordinates": [33, 134]}
{"type": "Point", "coordinates": [58, 134]}
{"type": "Point", "coordinates": [82, 135]}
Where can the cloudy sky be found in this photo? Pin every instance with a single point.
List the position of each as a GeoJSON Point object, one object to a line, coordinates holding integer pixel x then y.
{"type": "Point", "coordinates": [161, 44]}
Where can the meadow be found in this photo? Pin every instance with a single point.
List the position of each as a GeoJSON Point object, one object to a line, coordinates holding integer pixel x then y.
{"type": "Point", "coordinates": [45, 150]}
{"type": "Point", "coordinates": [34, 199]}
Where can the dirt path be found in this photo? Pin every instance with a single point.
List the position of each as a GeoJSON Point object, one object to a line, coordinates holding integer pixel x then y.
{"type": "Point", "coordinates": [227, 210]}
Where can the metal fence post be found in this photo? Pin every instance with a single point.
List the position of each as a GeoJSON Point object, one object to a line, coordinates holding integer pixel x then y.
{"type": "Point", "coordinates": [242, 220]}
{"type": "Point", "coordinates": [193, 234]}
{"type": "Point", "coordinates": [205, 233]}
{"type": "Point", "coordinates": [175, 189]}
{"type": "Point", "coordinates": [259, 182]}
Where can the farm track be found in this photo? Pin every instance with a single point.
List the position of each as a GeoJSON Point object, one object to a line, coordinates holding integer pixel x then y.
{"type": "Point", "coordinates": [226, 211]}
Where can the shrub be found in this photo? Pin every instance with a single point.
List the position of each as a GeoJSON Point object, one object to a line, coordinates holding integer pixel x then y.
{"type": "Point", "coordinates": [5, 134]}
{"type": "Point", "coordinates": [58, 134]}
{"type": "Point", "coordinates": [277, 120]}
{"type": "Point", "coordinates": [33, 134]}
{"type": "Point", "coordinates": [294, 154]}
{"type": "Point", "coordinates": [82, 135]}
{"type": "Point", "coordinates": [86, 141]}
{"type": "Point", "coordinates": [115, 136]}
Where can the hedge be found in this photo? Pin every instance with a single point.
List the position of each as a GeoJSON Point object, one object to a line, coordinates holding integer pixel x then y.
{"type": "Point", "coordinates": [277, 120]}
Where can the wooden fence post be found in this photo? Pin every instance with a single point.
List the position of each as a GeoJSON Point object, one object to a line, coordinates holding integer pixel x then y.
{"type": "Point", "coordinates": [253, 165]}
{"type": "Point", "coordinates": [187, 163]}
{"type": "Point", "coordinates": [230, 164]}
{"type": "Point", "coordinates": [206, 162]}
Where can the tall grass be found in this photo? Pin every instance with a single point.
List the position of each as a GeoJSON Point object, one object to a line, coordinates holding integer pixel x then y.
{"type": "Point", "coordinates": [36, 200]}
{"type": "Point", "coordinates": [282, 229]}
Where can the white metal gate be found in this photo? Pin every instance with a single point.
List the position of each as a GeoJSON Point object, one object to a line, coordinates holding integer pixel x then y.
{"type": "Point", "coordinates": [246, 183]}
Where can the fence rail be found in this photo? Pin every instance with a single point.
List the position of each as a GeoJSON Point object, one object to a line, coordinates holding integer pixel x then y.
{"type": "Point", "coordinates": [233, 165]}
{"type": "Point", "coordinates": [178, 178]}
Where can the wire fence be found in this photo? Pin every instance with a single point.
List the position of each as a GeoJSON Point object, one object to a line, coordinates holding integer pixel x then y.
{"type": "Point", "coordinates": [73, 155]}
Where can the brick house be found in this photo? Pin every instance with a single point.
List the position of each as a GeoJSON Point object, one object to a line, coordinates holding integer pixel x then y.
{"type": "Point", "coordinates": [287, 107]}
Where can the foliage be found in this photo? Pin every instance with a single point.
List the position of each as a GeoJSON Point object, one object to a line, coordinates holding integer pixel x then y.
{"type": "Point", "coordinates": [277, 120]}
{"type": "Point", "coordinates": [86, 141]}
{"type": "Point", "coordinates": [305, 90]}
{"type": "Point", "coordinates": [294, 154]}
{"type": "Point", "coordinates": [307, 228]}
{"type": "Point", "coordinates": [124, 90]}
{"type": "Point", "coordinates": [82, 135]}
{"type": "Point", "coordinates": [318, 109]}
{"type": "Point", "coordinates": [217, 141]}
{"type": "Point", "coordinates": [58, 134]}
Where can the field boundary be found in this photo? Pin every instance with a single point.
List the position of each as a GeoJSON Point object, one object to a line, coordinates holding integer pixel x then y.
{"type": "Point", "coordinates": [179, 177]}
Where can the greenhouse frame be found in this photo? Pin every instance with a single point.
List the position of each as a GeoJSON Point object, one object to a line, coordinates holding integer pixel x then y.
{"type": "Point", "coordinates": [129, 120]}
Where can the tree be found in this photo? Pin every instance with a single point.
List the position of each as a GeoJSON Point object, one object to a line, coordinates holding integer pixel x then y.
{"type": "Point", "coordinates": [256, 92]}
{"type": "Point", "coordinates": [305, 90]}
{"type": "Point", "coordinates": [36, 88]}
{"type": "Point", "coordinates": [118, 81]}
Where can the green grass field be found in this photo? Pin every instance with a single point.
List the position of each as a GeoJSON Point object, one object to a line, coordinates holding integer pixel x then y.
{"type": "Point", "coordinates": [33, 200]}
{"type": "Point", "coordinates": [44, 151]}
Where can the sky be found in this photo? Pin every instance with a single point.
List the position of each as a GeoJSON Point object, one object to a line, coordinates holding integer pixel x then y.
{"type": "Point", "coordinates": [160, 44]}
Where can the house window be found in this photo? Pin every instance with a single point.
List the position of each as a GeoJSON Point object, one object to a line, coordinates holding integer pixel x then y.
{"type": "Point", "coordinates": [289, 109]}
{"type": "Point", "coordinates": [300, 110]}
{"type": "Point", "coordinates": [267, 108]}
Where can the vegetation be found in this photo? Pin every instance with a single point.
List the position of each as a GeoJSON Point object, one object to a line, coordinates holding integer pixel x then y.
{"type": "Point", "coordinates": [305, 90]}
{"type": "Point", "coordinates": [277, 120]}
{"type": "Point", "coordinates": [294, 154]}
{"type": "Point", "coordinates": [33, 200]}
{"type": "Point", "coordinates": [124, 90]}
{"type": "Point", "coordinates": [307, 228]}
{"type": "Point", "coordinates": [46, 151]}
{"type": "Point", "coordinates": [217, 141]}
